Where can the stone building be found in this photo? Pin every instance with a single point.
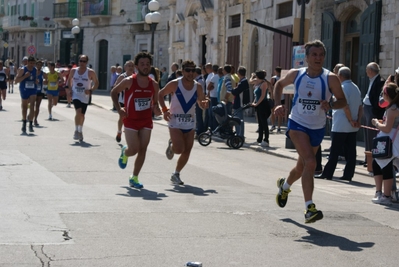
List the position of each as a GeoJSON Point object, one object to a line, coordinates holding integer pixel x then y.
{"type": "Point", "coordinates": [111, 32]}
{"type": "Point", "coordinates": [355, 32]}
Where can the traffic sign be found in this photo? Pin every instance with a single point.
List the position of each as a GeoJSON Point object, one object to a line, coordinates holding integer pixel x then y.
{"type": "Point", "coordinates": [31, 50]}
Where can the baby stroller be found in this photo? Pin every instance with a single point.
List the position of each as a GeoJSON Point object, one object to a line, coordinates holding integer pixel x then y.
{"type": "Point", "coordinates": [225, 128]}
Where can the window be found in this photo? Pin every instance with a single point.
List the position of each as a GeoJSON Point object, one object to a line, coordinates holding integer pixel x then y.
{"type": "Point", "coordinates": [284, 10]}
{"type": "Point", "coordinates": [235, 21]}
{"type": "Point", "coordinates": [32, 10]}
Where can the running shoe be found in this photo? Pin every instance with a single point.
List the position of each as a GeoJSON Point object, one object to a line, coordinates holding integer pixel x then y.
{"type": "Point", "coordinates": [68, 105]}
{"type": "Point", "coordinates": [169, 152]}
{"type": "Point", "coordinates": [36, 123]}
{"type": "Point", "coordinates": [279, 130]}
{"type": "Point", "coordinates": [282, 195]}
{"type": "Point", "coordinates": [264, 144]}
{"type": "Point", "coordinates": [382, 200]}
{"type": "Point", "coordinates": [31, 127]}
{"type": "Point", "coordinates": [50, 117]}
{"type": "Point", "coordinates": [376, 197]}
{"type": "Point", "coordinates": [81, 136]}
{"type": "Point", "coordinates": [135, 182]}
{"type": "Point", "coordinates": [122, 159]}
{"type": "Point", "coordinates": [23, 129]}
{"type": "Point", "coordinates": [118, 137]}
{"type": "Point", "coordinates": [272, 128]}
{"type": "Point", "coordinates": [175, 179]}
{"type": "Point", "coordinates": [76, 135]}
{"type": "Point", "coordinates": [312, 214]}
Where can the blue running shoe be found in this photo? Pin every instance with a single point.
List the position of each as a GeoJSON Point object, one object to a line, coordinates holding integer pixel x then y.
{"type": "Point", "coordinates": [135, 182]}
{"type": "Point", "coordinates": [123, 159]}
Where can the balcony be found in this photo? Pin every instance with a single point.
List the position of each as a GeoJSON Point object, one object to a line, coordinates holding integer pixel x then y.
{"type": "Point", "coordinates": [27, 23]}
{"type": "Point", "coordinates": [97, 11]}
{"type": "Point", "coordinates": [65, 12]}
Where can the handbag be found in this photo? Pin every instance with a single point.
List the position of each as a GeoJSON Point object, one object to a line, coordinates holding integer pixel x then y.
{"type": "Point", "coordinates": [382, 146]}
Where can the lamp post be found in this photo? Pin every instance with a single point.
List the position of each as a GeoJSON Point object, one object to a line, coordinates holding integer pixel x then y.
{"type": "Point", "coordinates": [75, 31]}
{"type": "Point", "coordinates": [152, 19]}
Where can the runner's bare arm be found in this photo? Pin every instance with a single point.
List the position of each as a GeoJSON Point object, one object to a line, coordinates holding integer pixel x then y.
{"type": "Point", "coordinates": [125, 83]}
{"type": "Point", "coordinates": [155, 97]}
{"type": "Point", "coordinates": [336, 90]}
{"type": "Point", "coordinates": [71, 74]}
{"type": "Point", "coordinates": [202, 100]}
{"type": "Point", "coordinates": [20, 76]}
{"type": "Point", "coordinates": [170, 88]}
{"type": "Point", "coordinates": [281, 83]}
{"type": "Point", "coordinates": [93, 77]}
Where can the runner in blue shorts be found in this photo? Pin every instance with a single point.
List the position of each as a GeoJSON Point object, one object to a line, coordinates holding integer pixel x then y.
{"type": "Point", "coordinates": [314, 87]}
{"type": "Point", "coordinates": [27, 80]}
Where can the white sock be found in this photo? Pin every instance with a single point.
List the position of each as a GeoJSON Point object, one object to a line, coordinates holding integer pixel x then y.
{"type": "Point", "coordinates": [286, 186]}
{"type": "Point", "coordinates": [80, 128]}
{"type": "Point", "coordinates": [176, 172]}
{"type": "Point", "coordinates": [76, 128]}
{"type": "Point", "coordinates": [307, 203]}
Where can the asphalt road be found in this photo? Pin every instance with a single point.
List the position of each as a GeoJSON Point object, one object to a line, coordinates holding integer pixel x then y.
{"type": "Point", "coordinates": [65, 203]}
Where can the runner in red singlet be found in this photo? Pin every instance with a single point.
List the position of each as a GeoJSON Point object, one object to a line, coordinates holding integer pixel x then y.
{"type": "Point", "coordinates": [141, 99]}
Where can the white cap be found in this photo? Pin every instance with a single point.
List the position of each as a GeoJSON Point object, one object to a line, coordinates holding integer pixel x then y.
{"type": "Point", "coordinates": [25, 58]}
{"type": "Point", "coordinates": [397, 70]}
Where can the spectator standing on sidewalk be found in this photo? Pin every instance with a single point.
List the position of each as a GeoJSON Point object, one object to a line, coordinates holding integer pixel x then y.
{"type": "Point", "coordinates": [129, 69]}
{"type": "Point", "coordinates": [345, 125]}
{"type": "Point", "coordinates": [314, 87]}
{"type": "Point", "coordinates": [212, 82]}
{"type": "Point", "coordinates": [370, 104]}
{"type": "Point", "coordinates": [273, 118]}
{"type": "Point", "coordinates": [383, 170]}
{"type": "Point", "coordinates": [238, 92]}
{"type": "Point", "coordinates": [199, 112]}
{"type": "Point", "coordinates": [262, 108]}
{"type": "Point", "coordinates": [164, 78]}
{"type": "Point", "coordinates": [227, 88]}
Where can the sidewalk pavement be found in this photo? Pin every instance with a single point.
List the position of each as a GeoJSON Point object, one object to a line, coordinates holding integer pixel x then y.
{"type": "Point", "coordinates": [278, 141]}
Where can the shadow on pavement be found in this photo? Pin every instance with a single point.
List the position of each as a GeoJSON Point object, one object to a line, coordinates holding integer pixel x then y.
{"type": "Point", "coordinates": [83, 144]}
{"type": "Point", "coordinates": [188, 189]}
{"type": "Point", "coordinates": [143, 193]}
{"type": "Point", "coordinates": [324, 239]}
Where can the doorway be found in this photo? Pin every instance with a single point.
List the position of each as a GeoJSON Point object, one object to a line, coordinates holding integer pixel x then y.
{"type": "Point", "coordinates": [352, 42]}
{"type": "Point", "coordinates": [103, 65]}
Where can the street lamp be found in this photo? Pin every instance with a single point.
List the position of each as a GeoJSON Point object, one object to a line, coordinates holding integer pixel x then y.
{"type": "Point", "coordinates": [152, 19]}
{"type": "Point", "coordinates": [75, 31]}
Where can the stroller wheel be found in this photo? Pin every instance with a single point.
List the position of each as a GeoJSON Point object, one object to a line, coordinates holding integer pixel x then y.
{"type": "Point", "coordinates": [228, 142]}
{"type": "Point", "coordinates": [236, 141]}
{"type": "Point", "coordinates": [204, 139]}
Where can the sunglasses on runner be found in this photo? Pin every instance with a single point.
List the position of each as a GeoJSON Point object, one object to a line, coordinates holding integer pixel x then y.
{"type": "Point", "coordinates": [189, 69]}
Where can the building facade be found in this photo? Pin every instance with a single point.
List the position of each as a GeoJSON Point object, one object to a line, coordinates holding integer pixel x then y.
{"type": "Point", "coordinates": [355, 32]}
{"type": "Point", "coordinates": [111, 32]}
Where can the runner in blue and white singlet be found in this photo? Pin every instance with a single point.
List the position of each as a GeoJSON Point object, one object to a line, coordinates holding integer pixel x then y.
{"type": "Point", "coordinates": [186, 92]}
{"type": "Point", "coordinates": [182, 107]}
{"type": "Point", "coordinates": [314, 87]}
{"type": "Point", "coordinates": [306, 108]}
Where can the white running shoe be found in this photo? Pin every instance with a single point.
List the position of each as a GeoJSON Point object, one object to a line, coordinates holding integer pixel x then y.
{"type": "Point", "coordinates": [169, 152]}
{"type": "Point", "coordinates": [175, 179]}
{"type": "Point", "coordinates": [382, 200]}
{"type": "Point", "coordinates": [264, 144]}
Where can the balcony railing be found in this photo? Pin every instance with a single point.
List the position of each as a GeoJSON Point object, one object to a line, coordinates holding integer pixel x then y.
{"type": "Point", "coordinates": [66, 10]}
{"type": "Point", "coordinates": [96, 8]}
{"type": "Point", "coordinates": [23, 23]}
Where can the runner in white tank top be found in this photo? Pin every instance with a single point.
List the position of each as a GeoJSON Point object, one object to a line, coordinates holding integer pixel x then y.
{"type": "Point", "coordinates": [83, 81]}
{"type": "Point", "coordinates": [305, 126]}
{"type": "Point", "coordinates": [79, 85]}
{"type": "Point", "coordinates": [185, 93]}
